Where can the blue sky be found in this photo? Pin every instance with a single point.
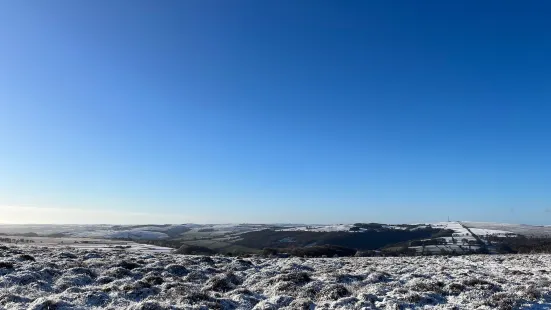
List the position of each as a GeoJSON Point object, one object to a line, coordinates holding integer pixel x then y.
{"type": "Point", "coordinates": [275, 111]}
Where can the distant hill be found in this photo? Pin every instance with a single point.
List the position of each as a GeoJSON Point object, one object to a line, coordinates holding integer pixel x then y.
{"type": "Point", "coordinates": [364, 240]}
{"type": "Point", "coordinates": [236, 239]}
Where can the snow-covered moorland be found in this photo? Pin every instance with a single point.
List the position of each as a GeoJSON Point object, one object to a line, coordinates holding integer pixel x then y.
{"type": "Point", "coordinates": [57, 278]}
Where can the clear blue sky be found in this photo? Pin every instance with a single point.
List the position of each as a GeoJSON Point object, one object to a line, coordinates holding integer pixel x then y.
{"type": "Point", "coordinates": [276, 111]}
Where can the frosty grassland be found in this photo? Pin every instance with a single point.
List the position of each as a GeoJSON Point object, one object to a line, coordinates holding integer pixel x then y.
{"type": "Point", "coordinates": [33, 277]}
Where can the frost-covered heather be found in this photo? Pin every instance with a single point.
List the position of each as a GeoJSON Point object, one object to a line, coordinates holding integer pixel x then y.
{"type": "Point", "coordinates": [56, 278]}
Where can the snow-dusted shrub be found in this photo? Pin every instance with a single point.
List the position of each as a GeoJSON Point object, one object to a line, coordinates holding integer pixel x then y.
{"type": "Point", "coordinates": [104, 280]}
{"type": "Point", "coordinates": [454, 288]}
{"type": "Point", "coordinates": [95, 299]}
{"type": "Point", "coordinates": [210, 271]}
{"type": "Point", "coordinates": [531, 293]}
{"type": "Point", "coordinates": [117, 272]}
{"type": "Point", "coordinates": [176, 270]}
{"type": "Point", "coordinates": [223, 282]}
{"type": "Point", "coordinates": [26, 257]}
{"type": "Point", "coordinates": [194, 297]}
{"type": "Point", "coordinates": [370, 298]}
{"type": "Point", "coordinates": [301, 304]}
{"type": "Point", "coordinates": [333, 292]}
{"type": "Point", "coordinates": [502, 301]}
{"type": "Point", "coordinates": [245, 297]}
{"type": "Point", "coordinates": [149, 269]}
{"type": "Point", "coordinates": [81, 270]}
{"type": "Point", "coordinates": [196, 276]}
{"type": "Point", "coordinates": [348, 278]}
{"type": "Point", "coordinates": [48, 273]}
{"type": "Point", "coordinates": [422, 285]}
{"type": "Point", "coordinates": [6, 268]}
{"type": "Point", "coordinates": [281, 300]}
{"type": "Point", "coordinates": [73, 290]}
{"type": "Point", "coordinates": [206, 260]}
{"type": "Point", "coordinates": [6, 298]}
{"type": "Point", "coordinates": [67, 281]}
{"type": "Point", "coordinates": [246, 301]}
{"type": "Point", "coordinates": [22, 278]}
{"type": "Point", "coordinates": [289, 283]}
{"type": "Point", "coordinates": [296, 267]}
{"type": "Point", "coordinates": [481, 284]}
{"type": "Point", "coordinates": [240, 265]}
{"type": "Point", "coordinates": [309, 290]}
{"type": "Point", "coordinates": [345, 303]}
{"type": "Point", "coordinates": [298, 278]}
{"type": "Point", "coordinates": [128, 265]}
{"type": "Point", "coordinates": [44, 303]}
{"type": "Point", "coordinates": [149, 305]}
{"type": "Point", "coordinates": [153, 280]}
{"type": "Point", "coordinates": [67, 255]}
{"type": "Point", "coordinates": [376, 277]}
{"type": "Point", "coordinates": [139, 290]}
{"type": "Point", "coordinates": [265, 305]}
{"type": "Point", "coordinates": [422, 298]}
{"type": "Point", "coordinates": [91, 255]}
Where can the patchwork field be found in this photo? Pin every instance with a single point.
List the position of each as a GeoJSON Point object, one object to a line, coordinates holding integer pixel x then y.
{"type": "Point", "coordinates": [36, 278]}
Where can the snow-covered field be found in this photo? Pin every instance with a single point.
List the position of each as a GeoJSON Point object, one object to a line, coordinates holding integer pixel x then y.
{"type": "Point", "coordinates": [520, 229]}
{"type": "Point", "coordinates": [55, 278]}
{"type": "Point", "coordinates": [481, 232]}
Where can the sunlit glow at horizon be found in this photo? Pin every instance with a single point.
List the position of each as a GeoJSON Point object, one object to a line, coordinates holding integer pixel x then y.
{"type": "Point", "coordinates": [48, 215]}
